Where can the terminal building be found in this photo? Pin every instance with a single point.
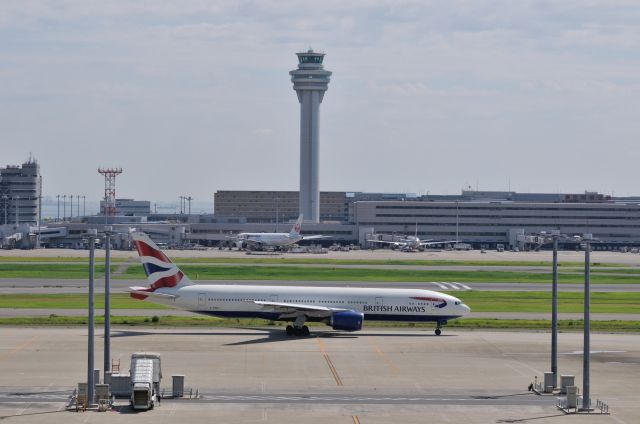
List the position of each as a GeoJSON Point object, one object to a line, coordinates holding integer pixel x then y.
{"type": "Point", "coordinates": [272, 206]}
{"type": "Point", "coordinates": [20, 193]}
{"type": "Point", "coordinates": [481, 219]}
{"type": "Point", "coordinates": [500, 222]}
{"type": "Point", "coordinates": [20, 188]}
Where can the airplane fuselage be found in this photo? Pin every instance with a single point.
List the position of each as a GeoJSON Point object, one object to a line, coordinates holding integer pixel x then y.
{"type": "Point", "coordinates": [411, 305]}
{"type": "Point", "coordinates": [269, 239]}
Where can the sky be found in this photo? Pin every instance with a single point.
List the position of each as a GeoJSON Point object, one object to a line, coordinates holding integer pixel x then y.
{"type": "Point", "coordinates": [194, 96]}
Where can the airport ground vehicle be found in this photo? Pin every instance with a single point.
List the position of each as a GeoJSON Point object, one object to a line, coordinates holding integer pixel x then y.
{"type": "Point", "coordinates": [145, 379]}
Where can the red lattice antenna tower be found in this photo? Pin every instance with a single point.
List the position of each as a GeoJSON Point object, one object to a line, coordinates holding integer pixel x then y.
{"type": "Point", "coordinates": [110, 175]}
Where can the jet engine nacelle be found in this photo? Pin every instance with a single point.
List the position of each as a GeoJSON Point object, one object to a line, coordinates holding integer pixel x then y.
{"type": "Point", "coordinates": [347, 320]}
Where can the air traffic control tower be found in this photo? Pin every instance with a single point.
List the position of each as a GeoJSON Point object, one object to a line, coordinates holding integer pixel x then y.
{"type": "Point", "coordinates": [310, 81]}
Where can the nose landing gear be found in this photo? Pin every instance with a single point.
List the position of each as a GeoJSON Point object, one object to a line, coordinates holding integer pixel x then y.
{"type": "Point", "coordinates": [439, 325]}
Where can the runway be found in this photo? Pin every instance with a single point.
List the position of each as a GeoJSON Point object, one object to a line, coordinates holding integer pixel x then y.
{"type": "Point", "coordinates": [628, 259]}
{"type": "Point", "coordinates": [535, 269]}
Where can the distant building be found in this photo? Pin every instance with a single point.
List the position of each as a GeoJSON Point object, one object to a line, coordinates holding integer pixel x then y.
{"type": "Point", "coordinates": [20, 188]}
{"type": "Point", "coordinates": [130, 207]}
{"type": "Point", "coordinates": [263, 206]}
{"type": "Point", "coordinates": [492, 222]}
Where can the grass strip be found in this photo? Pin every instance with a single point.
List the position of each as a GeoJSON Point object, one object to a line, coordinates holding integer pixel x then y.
{"type": "Point", "coordinates": [223, 272]}
{"type": "Point", "coordinates": [196, 321]}
{"type": "Point", "coordinates": [478, 301]}
{"type": "Point", "coordinates": [53, 271]}
{"type": "Point", "coordinates": [524, 301]}
{"type": "Point", "coordinates": [61, 259]}
{"type": "Point", "coordinates": [301, 273]}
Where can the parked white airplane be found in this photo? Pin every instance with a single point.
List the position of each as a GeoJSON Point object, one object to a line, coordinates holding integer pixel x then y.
{"type": "Point", "coordinates": [412, 243]}
{"type": "Point", "coordinates": [341, 308]}
{"type": "Point", "coordinates": [261, 240]}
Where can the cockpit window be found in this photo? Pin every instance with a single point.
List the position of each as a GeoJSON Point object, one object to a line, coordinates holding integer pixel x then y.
{"type": "Point", "coordinates": [457, 302]}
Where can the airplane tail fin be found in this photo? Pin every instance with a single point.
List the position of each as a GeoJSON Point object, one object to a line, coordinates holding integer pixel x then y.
{"type": "Point", "coordinates": [295, 231]}
{"type": "Point", "coordinates": [161, 272]}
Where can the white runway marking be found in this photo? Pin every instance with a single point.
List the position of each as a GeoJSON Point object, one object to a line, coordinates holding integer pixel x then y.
{"type": "Point", "coordinates": [452, 286]}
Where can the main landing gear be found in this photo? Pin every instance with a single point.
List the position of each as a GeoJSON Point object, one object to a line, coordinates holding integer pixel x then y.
{"type": "Point", "coordinates": [439, 325]}
{"type": "Point", "coordinates": [297, 331]}
{"type": "Point", "coordinates": [298, 328]}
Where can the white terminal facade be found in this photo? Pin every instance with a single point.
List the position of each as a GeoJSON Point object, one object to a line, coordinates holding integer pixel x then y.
{"type": "Point", "coordinates": [310, 81]}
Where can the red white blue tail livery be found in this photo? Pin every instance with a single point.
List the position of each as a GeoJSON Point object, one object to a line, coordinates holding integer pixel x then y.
{"type": "Point", "coordinates": [161, 272]}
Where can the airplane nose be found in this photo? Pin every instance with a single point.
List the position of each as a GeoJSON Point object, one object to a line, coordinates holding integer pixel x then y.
{"type": "Point", "coordinates": [466, 309]}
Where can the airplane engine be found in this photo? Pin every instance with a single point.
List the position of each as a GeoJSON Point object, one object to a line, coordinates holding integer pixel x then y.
{"type": "Point", "coordinates": [347, 320]}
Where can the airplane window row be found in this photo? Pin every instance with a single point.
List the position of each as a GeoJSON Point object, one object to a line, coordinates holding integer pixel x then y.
{"type": "Point", "coordinates": [234, 300]}
{"type": "Point", "coordinates": [353, 302]}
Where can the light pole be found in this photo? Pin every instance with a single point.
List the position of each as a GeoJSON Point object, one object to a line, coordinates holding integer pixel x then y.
{"type": "Point", "coordinates": [39, 211]}
{"type": "Point", "coordinates": [189, 199]}
{"type": "Point", "coordinates": [586, 351]}
{"type": "Point", "coordinates": [58, 197]}
{"type": "Point", "coordinates": [107, 298]}
{"type": "Point", "coordinates": [64, 207]}
{"type": "Point", "coordinates": [5, 198]}
{"type": "Point", "coordinates": [457, 222]}
{"type": "Point", "coordinates": [277, 206]}
{"type": "Point", "coordinates": [92, 233]}
{"type": "Point", "coordinates": [106, 210]}
{"type": "Point", "coordinates": [554, 311]}
{"type": "Point", "coordinates": [84, 205]}
{"type": "Point", "coordinates": [71, 206]}
{"type": "Point", "coordinates": [17, 204]}
{"type": "Point", "coordinates": [78, 199]}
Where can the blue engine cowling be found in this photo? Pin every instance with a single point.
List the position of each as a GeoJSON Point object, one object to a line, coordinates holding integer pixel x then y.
{"type": "Point", "coordinates": [347, 320]}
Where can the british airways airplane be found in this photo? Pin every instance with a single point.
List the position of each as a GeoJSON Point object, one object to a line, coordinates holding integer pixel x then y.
{"type": "Point", "coordinates": [341, 308]}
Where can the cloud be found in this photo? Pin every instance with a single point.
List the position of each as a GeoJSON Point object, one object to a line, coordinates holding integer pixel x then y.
{"type": "Point", "coordinates": [420, 84]}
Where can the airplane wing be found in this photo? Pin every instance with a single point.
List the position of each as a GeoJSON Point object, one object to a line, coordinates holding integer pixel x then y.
{"type": "Point", "coordinates": [397, 243]}
{"type": "Point", "coordinates": [431, 243]}
{"type": "Point", "coordinates": [284, 307]}
{"type": "Point", "coordinates": [314, 237]}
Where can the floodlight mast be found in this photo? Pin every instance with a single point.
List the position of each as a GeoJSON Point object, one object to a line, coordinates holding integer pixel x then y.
{"type": "Point", "coordinates": [586, 351]}
{"type": "Point", "coordinates": [110, 175]}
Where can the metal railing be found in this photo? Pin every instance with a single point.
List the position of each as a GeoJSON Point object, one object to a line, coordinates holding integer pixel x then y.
{"type": "Point", "coordinates": [603, 407]}
{"type": "Point", "coordinates": [600, 406]}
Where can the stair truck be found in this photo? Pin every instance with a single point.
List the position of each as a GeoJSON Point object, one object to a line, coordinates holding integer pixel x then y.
{"type": "Point", "coordinates": [146, 374]}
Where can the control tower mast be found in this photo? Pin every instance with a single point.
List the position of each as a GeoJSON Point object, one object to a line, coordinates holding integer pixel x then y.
{"type": "Point", "coordinates": [310, 81]}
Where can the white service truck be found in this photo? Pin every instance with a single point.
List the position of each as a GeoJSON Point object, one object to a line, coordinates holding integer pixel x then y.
{"type": "Point", "coordinates": [146, 374]}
